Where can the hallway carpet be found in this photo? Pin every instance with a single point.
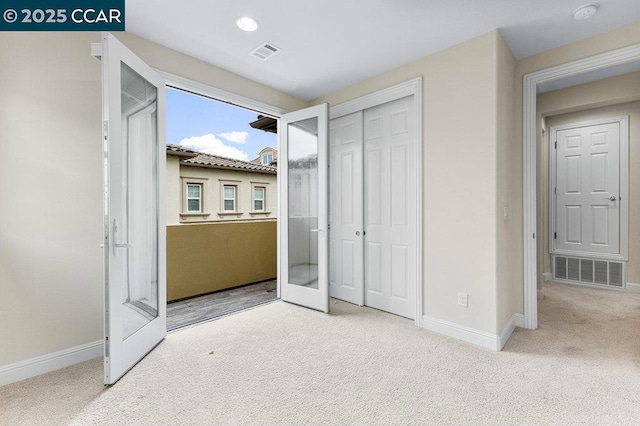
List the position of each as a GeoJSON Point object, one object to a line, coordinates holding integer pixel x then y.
{"type": "Point", "coordinates": [283, 364]}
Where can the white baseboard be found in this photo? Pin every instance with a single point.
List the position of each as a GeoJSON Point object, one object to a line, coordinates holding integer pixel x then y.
{"type": "Point", "coordinates": [540, 293]}
{"type": "Point", "coordinates": [495, 342]}
{"type": "Point", "coordinates": [43, 364]}
{"type": "Point", "coordinates": [547, 277]}
{"type": "Point", "coordinates": [516, 320]}
{"type": "Point", "coordinates": [633, 288]}
{"type": "Point", "coordinates": [462, 332]}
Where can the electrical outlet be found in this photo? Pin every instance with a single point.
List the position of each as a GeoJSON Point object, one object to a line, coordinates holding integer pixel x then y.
{"type": "Point", "coordinates": [463, 299]}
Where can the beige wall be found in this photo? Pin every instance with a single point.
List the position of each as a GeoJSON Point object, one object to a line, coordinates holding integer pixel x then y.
{"type": "Point", "coordinates": [202, 258]}
{"type": "Point", "coordinates": [51, 280]}
{"type": "Point", "coordinates": [570, 99]}
{"type": "Point", "coordinates": [50, 194]}
{"type": "Point", "coordinates": [508, 225]}
{"type": "Point", "coordinates": [621, 37]}
{"type": "Point", "coordinates": [213, 180]}
{"type": "Point", "coordinates": [460, 133]}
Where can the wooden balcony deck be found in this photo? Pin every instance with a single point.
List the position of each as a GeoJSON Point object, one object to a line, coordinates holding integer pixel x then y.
{"type": "Point", "coordinates": [202, 308]}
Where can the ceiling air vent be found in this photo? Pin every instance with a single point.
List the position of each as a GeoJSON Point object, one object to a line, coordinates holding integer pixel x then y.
{"type": "Point", "coordinates": [264, 51]}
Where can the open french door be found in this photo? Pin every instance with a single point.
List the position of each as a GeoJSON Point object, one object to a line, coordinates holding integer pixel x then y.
{"type": "Point", "coordinates": [303, 210]}
{"type": "Point", "coordinates": [134, 214]}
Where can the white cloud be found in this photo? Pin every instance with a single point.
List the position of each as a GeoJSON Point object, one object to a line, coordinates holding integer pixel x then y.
{"type": "Point", "coordinates": [211, 145]}
{"type": "Point", "coordinates": [235, 137]}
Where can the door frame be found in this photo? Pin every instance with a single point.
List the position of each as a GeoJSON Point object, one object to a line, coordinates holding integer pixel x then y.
{"type": "Point", "coordinates": [623, 172]}
{"type": "Point", "coordinates": [197, 88]}
{"type": "Point", "coordinates": [529, 160]}
{"type": "Point", "coordinates": [202, 89]}
{"type": "Point", "coordinates": [413, 88]}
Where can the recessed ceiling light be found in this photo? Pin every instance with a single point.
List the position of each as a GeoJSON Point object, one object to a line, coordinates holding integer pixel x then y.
{"type": "Point", "coordinates": [246, 23]}
{"type": "Point", "coordinates": [585, 12]}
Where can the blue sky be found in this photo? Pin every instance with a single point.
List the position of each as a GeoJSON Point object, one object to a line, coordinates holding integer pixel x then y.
{"type": "Point", "coordinates": [217, 128]}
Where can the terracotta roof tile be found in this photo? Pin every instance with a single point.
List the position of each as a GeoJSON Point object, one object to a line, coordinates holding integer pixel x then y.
{"type": "Point", "coordinates": [215, 161]}
{"type": "Point", "coordinates": [180, 151]}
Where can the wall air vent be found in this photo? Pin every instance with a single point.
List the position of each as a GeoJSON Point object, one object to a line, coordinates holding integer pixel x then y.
{"type": "Point", "coordinates": [589, 271]}
{"type": "Point", "coordinates": [264, 51]}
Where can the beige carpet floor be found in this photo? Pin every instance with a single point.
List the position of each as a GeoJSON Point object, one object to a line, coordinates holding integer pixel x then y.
{"type": "Point", "coordinates": [282, 364]}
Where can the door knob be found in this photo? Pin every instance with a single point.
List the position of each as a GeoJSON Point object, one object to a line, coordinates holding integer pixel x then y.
{"type": "Point", "coordinates": [357, 233]}
{"type": "Point", "coordinates": [612, 198]}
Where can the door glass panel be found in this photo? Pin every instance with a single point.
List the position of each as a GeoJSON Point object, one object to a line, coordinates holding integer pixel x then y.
{"type": "Point", "coordinates": [303, 202]}
{"type": "Point", "coordinates": [138, 232]}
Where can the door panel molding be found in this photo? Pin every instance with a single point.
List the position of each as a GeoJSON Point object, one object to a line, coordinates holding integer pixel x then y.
{"type": "Point", "coordinates": [622, 203]}
{"type": "Point", "coordinates": [346, 235]}
{"type": "Point", "coordinates": [391, 185]}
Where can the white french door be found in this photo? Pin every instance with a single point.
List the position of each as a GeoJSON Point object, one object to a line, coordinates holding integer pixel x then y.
{"type": "Point", "coordinates": [134, 221]}
{"type": "Point", "coordinates": [587, 189]}
{"type": "Point", "coordinates": [302, 214]}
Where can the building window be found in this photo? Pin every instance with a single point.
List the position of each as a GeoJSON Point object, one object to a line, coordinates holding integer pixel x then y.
{"type": "Point", "coordinates": [267, 159]}
{"type": "Point", "coordinates": [194, 197]}
{"type": "Point", "coordinates": [229, 198]}
{"type": "Point", "coordinates": [260, 194]}
{"type": "Point", "coordinates": [258, 198]}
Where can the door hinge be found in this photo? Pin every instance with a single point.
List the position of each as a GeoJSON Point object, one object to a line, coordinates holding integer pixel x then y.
{"type": "Point", "coordinates": [555, 145]}
{"type": "Point", "coordinates": [105, 127]}
{"type": "Point", "coordinates": [555, 235]}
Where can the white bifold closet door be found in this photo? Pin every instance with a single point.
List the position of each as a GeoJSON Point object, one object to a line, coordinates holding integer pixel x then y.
{"type": "Point", "coordinates": [346, 213]}
{"type": "Point", "coordinates": [373, 239]}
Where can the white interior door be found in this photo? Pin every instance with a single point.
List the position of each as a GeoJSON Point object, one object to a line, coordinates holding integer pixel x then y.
{"type": "Point", "coordinates": [346, 234]}
{"type": "Point", "coordinates": [135, 249]}
{"type": "Point", "coordinates": [303, 211]}
{"type": "Point", "coordinates": [390, 207]}
{"type": "Point", "coordinates": [587, 189]}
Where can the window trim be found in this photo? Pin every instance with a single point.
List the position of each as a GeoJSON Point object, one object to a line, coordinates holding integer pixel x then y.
{"type": "Point", "coordinates": [184, 210]}
{"type": "Point", "coordinates": [236, 184]}
{"type": "Point", "coordinates": [261, 199]}
{"type": "Point", "coordinates": [265, 206]}
{"type": "Point", "coordinates": [234, 199]}
{"type": "Point", "coordinates": [198, 198]}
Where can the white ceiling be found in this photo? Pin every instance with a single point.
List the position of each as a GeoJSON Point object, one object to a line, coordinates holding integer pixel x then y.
{"type": "Point", "coordinates": [330, 44]}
